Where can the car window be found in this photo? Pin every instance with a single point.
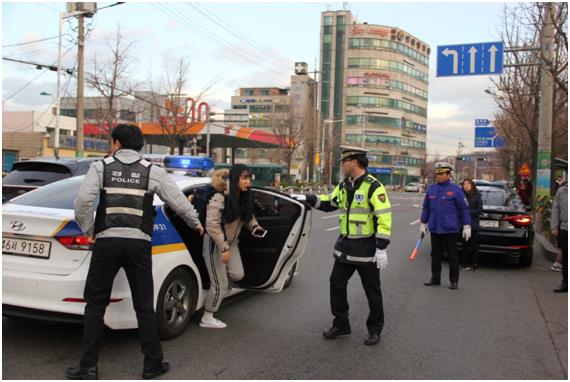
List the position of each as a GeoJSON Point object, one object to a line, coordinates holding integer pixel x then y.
{"type": "Point", "coordinates": [493, 196]}
{"type": "Point", "coordinates": [56, 195]}
{"type": "Point", "coordinates": [33, 178]}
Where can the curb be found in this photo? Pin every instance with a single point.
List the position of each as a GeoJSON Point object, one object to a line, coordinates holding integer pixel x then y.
{"type": "Point", "coordinates": [550, 251]}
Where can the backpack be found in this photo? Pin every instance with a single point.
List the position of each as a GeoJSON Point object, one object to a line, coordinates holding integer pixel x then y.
{"type": "Point", "coordinates": [202, 196]}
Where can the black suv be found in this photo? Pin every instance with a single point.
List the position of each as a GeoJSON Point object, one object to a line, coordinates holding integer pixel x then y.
{"type": "Point", "coordinates": [31, 174]}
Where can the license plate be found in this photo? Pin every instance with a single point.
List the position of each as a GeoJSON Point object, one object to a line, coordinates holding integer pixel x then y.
{"type": "Point", "coordinates": [25, 247]}
{"type": "Point", "coordinates": [489, 223]}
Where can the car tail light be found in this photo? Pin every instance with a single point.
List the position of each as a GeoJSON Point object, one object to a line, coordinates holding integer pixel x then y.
{"type": "Point", "coordinates": [519, 220]}
{"type": "Point", "coordinates": [75, 242]}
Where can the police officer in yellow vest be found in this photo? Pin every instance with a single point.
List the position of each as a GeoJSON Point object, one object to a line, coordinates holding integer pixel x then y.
{"type": "Point", "coordinates": [365, 224]}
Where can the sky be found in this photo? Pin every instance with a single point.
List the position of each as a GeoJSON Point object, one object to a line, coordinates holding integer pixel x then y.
{"type": "Point", "coordinates": [238, 44]}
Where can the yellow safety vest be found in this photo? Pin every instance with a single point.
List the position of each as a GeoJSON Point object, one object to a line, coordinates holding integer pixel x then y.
{"type": "Point", "coordinates": [357, 220]}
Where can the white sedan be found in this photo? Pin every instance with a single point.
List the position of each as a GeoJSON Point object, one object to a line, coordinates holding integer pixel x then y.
{"type": "Point", "coordinates": [45, 257]}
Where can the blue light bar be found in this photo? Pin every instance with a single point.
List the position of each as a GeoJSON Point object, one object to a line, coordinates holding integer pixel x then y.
{"type": "Point", "coordinates": [184, 162]}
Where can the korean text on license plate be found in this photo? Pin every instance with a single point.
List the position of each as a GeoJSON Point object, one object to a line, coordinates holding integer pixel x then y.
{"type": "Point", "coordinates": [25, 247]}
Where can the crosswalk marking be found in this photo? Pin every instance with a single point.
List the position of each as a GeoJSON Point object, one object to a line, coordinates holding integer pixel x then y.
{"type": "Point", "coordinates": [331, 229]}
{"type": "Point", "coordinates": [415, 222]}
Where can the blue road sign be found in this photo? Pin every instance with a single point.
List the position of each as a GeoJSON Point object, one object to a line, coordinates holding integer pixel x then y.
{"type": "Point", "coordinates": [486, 135]}
{"type": "Point", "coordinates": [470, 59]}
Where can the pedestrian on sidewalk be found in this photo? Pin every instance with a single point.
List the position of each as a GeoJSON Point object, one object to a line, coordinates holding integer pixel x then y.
{"type": "Point", "coordinates": [470, 248]}
{"type": "Point", "coordinates": [559, 227]}
{"type": "Point", "coordinates": [445, 213]}
{"type": "Point", "coordinates": [125, 185]}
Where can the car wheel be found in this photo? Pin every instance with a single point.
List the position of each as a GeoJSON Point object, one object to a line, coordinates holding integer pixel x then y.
{"type": "Point", "coordinates": [526, 259]}
{"type": "Point", "coordinates": [176, 303]}
{"type": "Point", "coordinates": [290, 276]}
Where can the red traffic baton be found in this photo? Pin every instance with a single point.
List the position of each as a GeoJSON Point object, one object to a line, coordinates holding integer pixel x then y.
{"type": "Point", "coordinates": [418, 243]}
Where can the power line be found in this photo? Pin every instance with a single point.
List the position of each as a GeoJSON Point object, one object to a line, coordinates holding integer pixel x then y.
{"type": "Point", "coordinates": [30, 42]}
{"type": "Point", "coordinates": [244, 56]}
{"type": "Point", "coordinates": [284, 62]}
{"type": "Point", "coordinates": [50, 67]}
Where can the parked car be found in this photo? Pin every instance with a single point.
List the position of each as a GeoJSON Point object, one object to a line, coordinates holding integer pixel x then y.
{"type": "Point", "coordinates": [31, 174]}
{"type": "Point", "coordinates": [505, 225]}
{"type": "Point", "coordinates": [45, 257]}
{"type": "Point", "coordinates": [413, 187]}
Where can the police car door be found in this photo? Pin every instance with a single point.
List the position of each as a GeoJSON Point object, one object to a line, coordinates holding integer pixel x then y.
{"type": "Point", "coordinates": [268, 261]}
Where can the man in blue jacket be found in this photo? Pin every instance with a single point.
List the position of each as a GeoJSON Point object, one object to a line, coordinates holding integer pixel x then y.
{"type": "Point", "coordinates": [445, 212]}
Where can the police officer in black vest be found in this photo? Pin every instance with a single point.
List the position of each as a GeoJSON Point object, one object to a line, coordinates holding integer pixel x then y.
{"type": "Point", "coordinates": [122, 231]}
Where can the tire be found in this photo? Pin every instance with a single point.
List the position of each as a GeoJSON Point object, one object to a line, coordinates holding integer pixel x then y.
{"type": "Point", "coordinates": [526, 259]}
{"type": "Point", "coordinates": [176, 303]}
{"type": "Point", "coordinates": [290, 276]}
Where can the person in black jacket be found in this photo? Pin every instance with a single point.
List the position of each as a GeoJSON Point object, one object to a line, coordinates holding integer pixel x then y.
{"type": "Point", "coordinates": [469, 253]}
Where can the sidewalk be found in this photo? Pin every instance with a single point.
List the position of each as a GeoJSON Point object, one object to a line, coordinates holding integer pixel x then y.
{"type": "Point", "coordinates": [554, 306]}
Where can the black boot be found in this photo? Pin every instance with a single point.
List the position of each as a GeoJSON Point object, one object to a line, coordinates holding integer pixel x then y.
{"type": "Point", "coordinates": [372, 339]}
{"type": "Point", "coordinates": [334, 332]}
{"type": "Point", "coordinates": [151, 373]}
{"type": "Point", "coordinates": [432, 282]}
{"type": "Point", "coordinates": [82, 372]}
{"type": "Point", "coordinates": [561, 289]}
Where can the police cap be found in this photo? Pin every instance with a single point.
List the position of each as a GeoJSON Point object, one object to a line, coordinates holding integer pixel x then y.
{"type": "Point", "coordinates": [441, 167]}
{"type": "Point", "coordinates": [348, 153]}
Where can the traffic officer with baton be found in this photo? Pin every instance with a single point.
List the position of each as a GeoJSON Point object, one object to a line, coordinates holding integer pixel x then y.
{"type": "Point", "coordinates": [365, 224]}
{"type": "Point", "coordinates": [125, 185]}
{"type": "Point", "coordinates": [445, 213]}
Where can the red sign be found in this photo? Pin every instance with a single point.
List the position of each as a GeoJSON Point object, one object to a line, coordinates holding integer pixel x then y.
{"type": "Point", "coordinates": [379, 31]}
{"type": "Point", "coordinates": [524, 171]}
{"type": "Point", "coordinates": [357, 30]}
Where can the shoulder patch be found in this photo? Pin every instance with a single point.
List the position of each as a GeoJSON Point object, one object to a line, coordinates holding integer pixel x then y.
{"type": "Point", "coordinates": [382, 198]}
{"type": "Point", "coordinates": [108, 160]}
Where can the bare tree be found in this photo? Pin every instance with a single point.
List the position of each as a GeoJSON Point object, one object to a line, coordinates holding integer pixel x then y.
{"type": "Point", "coordinates": [290, 132]}
{"type": "Point", "coordinates": [518, 88]}
{"type": "Point", "coordinates": [178, 110]}
{"type": "Point", "coordinates": [111, 79]}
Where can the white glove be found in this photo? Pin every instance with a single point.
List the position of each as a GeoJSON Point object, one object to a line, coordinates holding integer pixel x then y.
{"type": "Point", "coordinates": [423, 229]}
{"type": "Point", "coordinates": [381, 258]}
{"type": "Point", "coordinates": [299, 197]}
{"type": "Point", "coordinates": [466, 232]}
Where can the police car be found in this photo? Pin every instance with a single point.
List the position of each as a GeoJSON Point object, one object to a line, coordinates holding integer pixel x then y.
{"type": "Point", "coordinates": [45, 255]}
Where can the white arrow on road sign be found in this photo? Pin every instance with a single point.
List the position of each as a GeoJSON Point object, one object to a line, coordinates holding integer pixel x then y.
{"type": "Point", "coordinates": [447, 52]}
{"type": "Point", "coordinates": [472, 53]}
{"type": "Point", "coordinates": [493, 50]}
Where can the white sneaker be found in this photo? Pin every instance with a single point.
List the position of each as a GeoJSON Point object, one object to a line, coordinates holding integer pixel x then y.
{"type": "Point", "coordinates": [557, 267]}
{"type": "Point", "coordinates": [214, 323]}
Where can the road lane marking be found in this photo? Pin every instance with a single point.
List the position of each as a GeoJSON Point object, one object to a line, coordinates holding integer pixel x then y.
{"type": "Point", "coordinates": [331, 229]}
{"type": "Point", "coordinates": [395, 205]}
{"type": "Point", "coordinates": [417, 206]}
{"type": "Point", "coordinates": [415, 222]}
{"type": "Point", "coordinates": [330, 216]}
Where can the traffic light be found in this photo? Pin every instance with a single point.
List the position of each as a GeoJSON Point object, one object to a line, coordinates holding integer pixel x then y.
{"type": "Point", "coordinates": [465, 158]}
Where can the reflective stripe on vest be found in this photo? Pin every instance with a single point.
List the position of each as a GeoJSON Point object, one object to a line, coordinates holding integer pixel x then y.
{"type": "Point", "coordinates": [356, 222]}
{"type": "Point", "coordinates": [125, 200]}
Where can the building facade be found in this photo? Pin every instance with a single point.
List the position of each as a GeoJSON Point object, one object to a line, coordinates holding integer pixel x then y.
{"type": "Point", "coordinates": [374, 91]}
{"type": "Point", "coordinates": [287, 112]}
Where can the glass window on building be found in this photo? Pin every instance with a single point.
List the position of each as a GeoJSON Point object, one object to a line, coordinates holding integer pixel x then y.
{"type": "Point", "coordinates": [328, 20]}
{"type": "Point", "coordinates": [264, 92]}
{"type": "Point", "coordinates": [248, 92]}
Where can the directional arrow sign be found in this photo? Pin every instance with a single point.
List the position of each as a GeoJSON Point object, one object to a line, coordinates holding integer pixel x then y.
{"type": "Point", "coordinates": [470, 59]}
{"type": "Point", "coordinates": [486, 135]}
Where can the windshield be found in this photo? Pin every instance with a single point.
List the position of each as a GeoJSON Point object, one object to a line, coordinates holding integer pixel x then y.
{"type": "Point", "coordinates": [494, 196]}
{"type": "Point", "coordinates": [55, 195]}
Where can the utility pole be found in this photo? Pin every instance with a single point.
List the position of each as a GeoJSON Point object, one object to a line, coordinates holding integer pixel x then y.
{"type": "Point", "coordinates": [80, 106]}
{"type": "Point", "coordinates": [542, 181]}
{"type": "Point", "coordinates": [58, 91]}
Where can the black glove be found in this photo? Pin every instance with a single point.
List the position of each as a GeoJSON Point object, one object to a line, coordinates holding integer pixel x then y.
{"type": "Point", "coordinates": [382, 243]}
{"type": "Point", "coordinates": [311, 199]}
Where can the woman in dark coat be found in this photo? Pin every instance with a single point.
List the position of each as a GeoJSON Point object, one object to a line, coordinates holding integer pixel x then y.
{"type": "Point", "coordinates": [470, 253]}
